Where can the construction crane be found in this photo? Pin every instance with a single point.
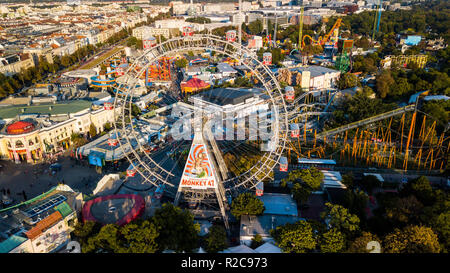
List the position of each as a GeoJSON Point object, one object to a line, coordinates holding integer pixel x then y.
{"type": "Point", "coordinates": [275, 29]}
{"type": "Point", "coordinates": [300, 31]}
{"type": "Point", "coordinates": [376, 23]}
{"type": "Point", "coordinates": [322, 40]}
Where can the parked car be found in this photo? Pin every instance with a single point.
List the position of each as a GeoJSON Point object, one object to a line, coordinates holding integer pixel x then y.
{"type": "Point", "coordinates": [55, 167]}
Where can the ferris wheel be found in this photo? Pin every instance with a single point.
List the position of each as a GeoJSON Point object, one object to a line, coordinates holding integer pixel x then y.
{"type": "Point", "coordinates": [160, 167]}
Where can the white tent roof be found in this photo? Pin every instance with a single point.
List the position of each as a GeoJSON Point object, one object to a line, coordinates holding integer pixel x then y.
{"type": "Point", "coordinates": [377, 175]}
{"type": "Point", "coordinates": [268, 248]}
{"type": "Point", "coordinates": [239, 249]}
{"type": "Point", "coordinates": [200, 250]}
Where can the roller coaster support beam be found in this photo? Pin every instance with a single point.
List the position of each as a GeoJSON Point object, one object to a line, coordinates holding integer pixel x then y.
{"type": "Point", "coordinates": [376, 118]}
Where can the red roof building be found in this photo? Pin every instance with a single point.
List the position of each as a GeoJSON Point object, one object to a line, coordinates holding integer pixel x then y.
{"type": "Point", "coordinates": [20, 127]}
{"type": "Point", "coordinates": [194, 85]}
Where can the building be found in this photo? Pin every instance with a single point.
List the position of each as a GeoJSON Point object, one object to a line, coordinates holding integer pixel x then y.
{"type": "Point", "coordinates": [255, 43]}
{"type": "Point", "coordinates": [145, 32]}
{"type": "Point", "coordinates": [226, 70]}
{"type": "Point", "coordinates": [13, 64]}
{"type": "Point", "coordinates": [280, 209]}
{"type": "Point", "coordinates": [42, 224]}
{"type": "Point", "coordinates": [238, 102]}
{"type": "Point", "coordinates": [413, 40]}
{"type": "Point", "coordinates": [194, 85]}
{"type": "Point", "coordinates": [32, 132]}
{"type": "Point", "coordinates": [319, 77]}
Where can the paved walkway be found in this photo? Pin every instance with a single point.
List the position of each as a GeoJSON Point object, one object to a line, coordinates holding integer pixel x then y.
{"type": "Point", "coordinates": [36, 179]}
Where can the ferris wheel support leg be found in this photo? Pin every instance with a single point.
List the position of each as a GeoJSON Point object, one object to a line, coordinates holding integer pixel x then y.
{"type": "Point", "coordinates": [177, 197]}
{"type": "Point", "coordinates": [220, 199]}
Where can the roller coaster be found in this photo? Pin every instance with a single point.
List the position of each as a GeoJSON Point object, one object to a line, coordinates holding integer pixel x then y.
{"type": "Point", "coordinates": [388, 140]}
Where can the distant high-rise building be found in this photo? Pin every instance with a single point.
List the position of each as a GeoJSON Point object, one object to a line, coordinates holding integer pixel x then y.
{"type": "Point", "coordinates": [73, 2]}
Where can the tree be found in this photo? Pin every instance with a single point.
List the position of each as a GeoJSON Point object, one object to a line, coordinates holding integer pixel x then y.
{"type": "Point", "coordinates": [356, 202]}
{"type": "Point", "coordinates": [412, 239]}
{"type": "Point", "coordinates": [277, 56]}
{"type": "Point", "coordinates": [107, 240]}
{"type": "Point", "coordinates": [257, 241]}
{"type": "Point", "coordinates": [400, 88]}
{"type": "Point", "coordinates": [301, 193]}
{"type": "Point", "coordinates": [347, 80]}
{"type": "Point", "coordinates": [176, 227]}
{"type": "Point", "coordinates": [340, 218]}
{"type": "Point", "coordinates": [92, 130]}
{"type": "Point", "coordinates": [420, 188]}
{"type": "Point", "coordinates": [77, 140]}
{"type": "Point", "coordinates": [363, 42]}
{"type": "Point", "coordinates": [312, 177]}
{"type": "Point", "coordinates": [370, 182]}
{"type": "Point", "coordinates": [384, 81]}
{"type": "Point", "coordinates": [140, 237]}
{"type": "Point", "coordinates": [405, 210]}
{"type": "Point", "coordinates": [295, 238]}
{"type": "Point", "coordinates": [107, 126]}
{"type": "Point", "coordinates": [83, 231]}
{"type": "Point", "coordinates": [332, 241]}
{"type": "Point", "coordinates": [305, 181]}
{"type": "Point", "coordinates": [255, 27]}
{"type": "Point", "coordinates": [246, 204]}
{"type": "Point", "coordinates": [181, 63]}
{"type": "Point", "coordinates": [441, 225]}
{"type": "Point", "coordinates": [216, 240]}
{"type": "Point", "coordinates": [135, 111]}
{"type": "Point", "coordinates": [348, 180]}
{"type": "Point", "coordinates": [199, 20]}
{"type": "Point", "coordinates": [359, 245]}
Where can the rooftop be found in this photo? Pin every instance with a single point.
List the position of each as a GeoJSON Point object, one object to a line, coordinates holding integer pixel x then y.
{"type": "Point", "coordinates": [74, 106]}
{"type": "Point", "coordinates": [279, 204]}
{"type": "Point", "coordinates": [252, 225]}
{"type": "Point", "coordinates": [315, 70]}
{"type": "Point", "coordinates": [30, 218]}
{"type": "Point", "coordinates": [225, 96]}
{"type": "Point", "coordinates": [332, 179]}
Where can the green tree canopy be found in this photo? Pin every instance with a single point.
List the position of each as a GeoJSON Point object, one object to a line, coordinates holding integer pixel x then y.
{"type": "Point", "coordinates": [405, 210]}
{"type": "Point", "coordinates": [257, 241]}
{"type": "Point", "coordinates": [412, 239]}
{"type": "Point", "coordinates": [216, 240]}
{"type": "Point", "coordinates": [332, 241]}
{"type": "Point", "coordinates": [359, 245]}
{"type": "Point", "coordinates": [176, 227]}
{"type": "Point", "coordinates": [347, 80]}
{"type": "Point", "coordinates": [384, 81]}
{"type": "Point", "coordinates": [140, 237]}
{"type": "Point", "coordinates": [420, 188]}
{"type": "Point", "coordinates": [295, 238]}
{"type": "Point", "coordinates": [246, 204]}
{"type": "Point", "coordinates": [181, 63]}
{"type": "Point", "coordinates": [92, 130]}
{"type": "Point", "coordinates": [107, 240]}
{"type": "Point", "coordinates": [135, 237]}
{"type": "Point", "coordinates": [340, 218]}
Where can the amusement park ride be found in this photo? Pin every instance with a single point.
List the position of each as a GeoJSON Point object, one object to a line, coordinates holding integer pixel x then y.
{"type": "Point", "coordinates": [226, 184]}
{"type": "Point", "coordinates": [329, 38]}
{"type": "Point", "coordinates": [211, 176]}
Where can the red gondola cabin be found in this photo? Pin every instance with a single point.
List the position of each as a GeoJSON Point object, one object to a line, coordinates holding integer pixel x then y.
{"type": "Point", "coordinates": [295, 130]}
{"type": "Point", "coordinates": [289, 93]}
{"type": "Point", "coordinates": [187, 31]}
{"type": "Point", "coordinates": [131, 171]}
{"type": "Point", "coordinates": [283, 164]}
{"type": "Point", "coordinates": [260, 189]}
